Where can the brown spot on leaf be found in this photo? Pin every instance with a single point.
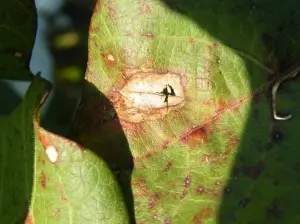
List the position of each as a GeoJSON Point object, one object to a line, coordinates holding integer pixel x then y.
{"type": "Point", "coordinates": [165, 144]}
{"type": "Point", "coordinates": [194, 137]}
{"type": "Point", "coordinates": [200, 190]}
{"type": "Point", "coordinates": [153, 199]}
{"type": "Point", "coordinates": [57, 213]}
{"type": "Point", "coordinates": [109, 60]}
{"type": "Point", "coordinates": [220, 157]}
{"type": "Point", "coordinates": [218, 183]}
{"type": "Point", "coordinates": [215, 44]}
{"type": "Point", "coordinates": [144, 7]}
{"type": "Point", "coordinates": [203, 214]}
{"type": "Point", "coordinates": [184, 193]}
{"type": "Point", "coordinates": [140, 184]}
{"type": "Point", "coordinates": [232, 143]}
{"type": "Point", "coordinates": [43, 179]}
{"type": "Point", "coordinates": [131, 127]}
{"type": "Point", "coordinates": [191, 40]}
{"type": "Point", "coordinates": [213, 192]}
{"type": "Point", "coordinates": [148, 35]}
{"type": "Point", "coordinates": [168, 166]}
{"type": "Point", "coordinates": [111, 10]}
{"type": "Point", "coordinates": [221, 106]}
{"type": "Point", "coordinates": [61, 191]}
{"type": "Point", "coordinates": [167, 221]}
{"type": "Point", "coordinates": [187, 181]}
{"type": "Point", "coordinates": [114, 95]}
{"type": "Point", "coordinates": [253, 171]}
{"type": "Point", "coordinates": [40, 158]}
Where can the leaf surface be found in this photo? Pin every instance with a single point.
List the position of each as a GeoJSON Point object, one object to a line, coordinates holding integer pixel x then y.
{"type": "Point", "coordinates": [200, 160]}
{"type": "Point", "coordinates": [67, 184]}
{"type": "Point", "coordinates": [72, 185]}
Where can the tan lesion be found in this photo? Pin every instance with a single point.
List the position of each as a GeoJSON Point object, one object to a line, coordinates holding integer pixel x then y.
{"type": "Point", "coordinates": [143, 98]}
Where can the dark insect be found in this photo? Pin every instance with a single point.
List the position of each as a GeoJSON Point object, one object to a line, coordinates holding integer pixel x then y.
{"type": "Point", "coordinates": [168, 91]}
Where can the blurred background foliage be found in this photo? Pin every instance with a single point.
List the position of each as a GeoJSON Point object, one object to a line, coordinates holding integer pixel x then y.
{"type": "Point", "coordinates": [60, 53]}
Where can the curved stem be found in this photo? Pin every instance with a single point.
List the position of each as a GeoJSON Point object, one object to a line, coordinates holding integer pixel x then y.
{"type": "Point", "coordinates": [289, 75]}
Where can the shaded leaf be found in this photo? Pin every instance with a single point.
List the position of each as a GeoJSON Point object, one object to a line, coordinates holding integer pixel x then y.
{"type": "Point", "coordinates": [17, 33]}
{"type": "Point", "coordinates": [16, 156]}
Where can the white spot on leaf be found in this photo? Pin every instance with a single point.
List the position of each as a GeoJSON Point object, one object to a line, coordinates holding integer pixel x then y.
{"type": "Point", "coordinates": [52, 153]}
{"type": "Point", "coordinates": [110, 57]}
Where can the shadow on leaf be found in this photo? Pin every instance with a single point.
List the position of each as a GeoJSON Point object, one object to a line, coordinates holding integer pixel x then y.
{"type": "Point", "coordinates": [264, 180]}
{"type": "Point", "coordinates": [98, 128]}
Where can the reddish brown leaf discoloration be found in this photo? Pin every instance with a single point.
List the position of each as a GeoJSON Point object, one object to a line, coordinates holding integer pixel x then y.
{"type": "Point", "coordinates": [168, 166]}
{"type": "Point", "coordinates": [154, 151]}
{"type": "Point", "coordinates": [147, 155]}
{"type": "Point", "coordinates": [215, 44]}
{"type": "Point", "coordinates": [130, 127]}
{"type": "Point", "coordinates": [232, 144]}
{"type": "Point", "coordinates": [148, 35]}
{"type": "Point", "coordinates": [200, 190]}
{"type": "Point", "coordinates": [140, 184]}
{"type": "Point", "coordinates": [109, 60]}
{"type": "Point", "coordinates": [97, 7]}
{"type": "Point", "coordinates": [43, 179]}
{"type": "Point", "coordinates": [41, 159]}
{"type": "Point", "coordinates": [183, 194]}
{"type": "Point", "coordinates": [194, 137]}
{"type": "Point", "coordinates": [167, 221]}
{"type": "Point", "coordinates": [57, 213]}
{"type": "Point", "coordinates": [187, 181]}
{"type": "Point", "coordinates": [215, 191]}
{"type": "Point", "coordinates": [111, 7]}
{"type": "Point", "coordinates": [43, 140]}
{"type": "Point", "coordinates": [192, 41]}
{"type": "Point", "coordinates": [114, 95]}
{"type": "Point", "coordinates": [186, 185]}
{"type": "Point", "coordinates": [221, 157]}
{"type": "Point", "coordinates": [203, 214]}
{"type": "Point", "coordinates": [61, 191]}
{"type": "Point", "coordinates": [28, 220]}
{"type": "Point", "coordinates": [221, 106]}
{"type": "Point", "coordinates": [165, 144]}
{"type": "Point", "coordinates": [144, 7]}
{"type": "Point", "coordinates": [218, 183]}
{"type": "Point", "coordinates": [153, 199]}
{"type": "Point", "coordinates": [211, 158]}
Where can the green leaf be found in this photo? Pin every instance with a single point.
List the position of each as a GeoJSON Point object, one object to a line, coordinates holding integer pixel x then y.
{"type": "Point", "coordinates": [76, 186]}
{"type": "Point", "coordinates": [17, 29]}
{"type": "Point", "coordinates": [203, 160]}
{"type": "Point", "coordinates": [72, 185]}
{"type": "Point", "coordinates": [17, 156]}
